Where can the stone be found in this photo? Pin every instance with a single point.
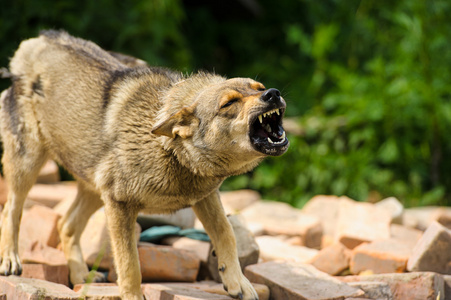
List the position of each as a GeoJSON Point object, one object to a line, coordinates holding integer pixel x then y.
{"type": "Point", "coordinates": [39, 223]}
{"type": "Point", "coordinates": [236, 201]}
{"type": "Point", "coordinates": [49, 173]}
{"type": "Point", "coordinates": [95, 241]}
{"type": "Point", "coordinates": [247, 248]}
{"type": "Point", "coordinates": [412, 286]}
{"type": "Point", "coordinates": [104, 291]}
{"type": "Point", "coordinates": [360, 222]}
{"type": "Point", "coordinates": [53, 273]}
{"type": "Point", "coordinates": [289, 280]}
{"type": "Point", "coordinates": [328, 217]}
{"type": "Point", "coordinates": [393, 207]}
{"type": "Point", "coordinates": [281, 219]}
{"type": "Point", "coordinates": [163, 263]}
{"type": "Point", "coordinates": [406, 235]}
{"type": "Point", "coordinates": [51, 194]}
{"type": "Point", "coordinates": [383, 256]}
{"type": "Point", "coordinates": [333, 259]}
{"type": "Point", "coordinates": [19, 288]}
{"type": "Point", "coordinates": [432, 252]}
{"type": "Point", "coordinates": [374, 289]}
{"type": "Point", "coordinates": [183, 218]}
{"type": "Point", "coordinates": [160, 291]}
{"type": "Point", "coordinates": [275, 249]}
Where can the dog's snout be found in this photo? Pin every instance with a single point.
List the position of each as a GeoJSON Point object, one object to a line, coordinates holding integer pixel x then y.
{"type": "Point", "coordinates": [271, 95]}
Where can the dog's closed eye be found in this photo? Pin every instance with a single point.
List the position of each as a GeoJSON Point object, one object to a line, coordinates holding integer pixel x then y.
{"type": "Point", "coordinates": [230, 102]}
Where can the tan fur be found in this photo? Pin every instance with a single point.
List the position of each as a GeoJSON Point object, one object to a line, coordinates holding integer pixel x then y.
{"type": "Point", "coordinates": [136, 138]}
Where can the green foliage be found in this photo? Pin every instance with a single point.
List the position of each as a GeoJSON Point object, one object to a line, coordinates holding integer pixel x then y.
{"type": "Point", "coordinates": [368, 80]}
{"type": "Point", "coordinates": [384, 111]}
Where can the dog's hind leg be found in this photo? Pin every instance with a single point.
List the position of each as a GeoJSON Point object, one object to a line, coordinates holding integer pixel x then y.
{"type": "Point", "coordinates": [71, 227]}
{"type": "Point", "coordinates": [23, 157]}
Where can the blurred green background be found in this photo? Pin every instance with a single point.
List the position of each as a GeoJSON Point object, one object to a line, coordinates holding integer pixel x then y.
{"type": "Point", "coordinates": [368, 82]}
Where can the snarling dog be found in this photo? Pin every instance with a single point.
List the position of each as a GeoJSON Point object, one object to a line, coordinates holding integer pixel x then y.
{"type": "Point", "coordinates": [135, 138]}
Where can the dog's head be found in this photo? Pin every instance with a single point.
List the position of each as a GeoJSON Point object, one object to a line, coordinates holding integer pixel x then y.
{"type": "Point", "coordinates": [235, 120]}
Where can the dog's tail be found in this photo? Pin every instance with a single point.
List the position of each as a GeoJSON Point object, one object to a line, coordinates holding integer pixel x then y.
{"type": "Point", "coordinates": [5, 73]}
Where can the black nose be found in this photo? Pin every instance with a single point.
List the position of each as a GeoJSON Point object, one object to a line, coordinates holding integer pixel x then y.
{"type": "Point", "coordinates": [271, 95]}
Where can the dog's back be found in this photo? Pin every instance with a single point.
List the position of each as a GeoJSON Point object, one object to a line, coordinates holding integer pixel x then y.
{"type": "Point", "coordinates": [64, 88]}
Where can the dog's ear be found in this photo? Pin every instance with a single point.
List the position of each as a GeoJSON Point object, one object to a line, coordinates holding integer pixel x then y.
{"type": "Point", "coordinates": [182, 123]}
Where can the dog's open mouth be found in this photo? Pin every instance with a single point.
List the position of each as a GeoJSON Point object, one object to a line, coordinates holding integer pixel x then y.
{"type": "Point", "coordinates": [267, 134]}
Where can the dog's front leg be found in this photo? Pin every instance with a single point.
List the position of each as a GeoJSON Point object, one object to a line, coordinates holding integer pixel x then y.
{"type": "Point", "coordinates": [211, 213]}
{"type": "Point", "coordinates": [121, 218]}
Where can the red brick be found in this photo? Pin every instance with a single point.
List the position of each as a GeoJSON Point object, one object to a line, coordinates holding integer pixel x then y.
{"type": "Point", "coordinates": [51, 194]}
{"type": "Point", "coordinates": [328, 217]}
{"type": "Point", "coordinates": [218, 288]}
{"type": "Point", "coordinates": [104, 291]}
{"type": "Point", "coordinates": [39, 223]}
{"type": "Point", "coordinates": [432, 252]}
{"type": "Point", "coordinates": [406, 235]}
{"type": "Point", "coordinates": [42, 254]}
{"type": "Point", "coordinates": [95, 240]}
{"type": "Point", "coordinates": [273, 248]}
{"type": "Point", "coordinates": [383, 256]}
{"type": "Point", "coordinates": [19, 288]}
{"type": "Point", "coordinates": [422, 217]}
{"type": "Point", "coordinates": [235, 201]}
{"type": "Point", "coordinates": [412, 286]}
{"type": "Point", "coordinates": [49, 173]}
{"type": "Point", "coordinates": [3, 191]}
{"type": "Point", "coordinates": [200, 248]}
{"type": "Point", "coordinates": [393, 207]}
{"type": "Point", "coordinates": [333, 259]}
{"type": "Point", "coordinates": [163, 263]}
{"type": "Point", "coordinates": [178, 292]}
{"type": "Point", "coordinates": [299, 281]}
{"type": "Point", "coordinates": [53, 273]}
{"type": "Point", "coordinates": [373, 289]}
{"type": "Point", "coordinates": [361, 222]}
{"type": "Point", "coordinates": [281, 219]}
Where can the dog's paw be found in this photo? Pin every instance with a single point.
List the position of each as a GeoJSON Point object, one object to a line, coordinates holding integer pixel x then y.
{"type": "Point", "coordinates": [10, 264]}
{"type": "Point", "coordinates": [241, 288]}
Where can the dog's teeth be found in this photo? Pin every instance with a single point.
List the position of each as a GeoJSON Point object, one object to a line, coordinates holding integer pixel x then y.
{"type": "Point", "coordinates": [277, 112]}
{"type": "Point", "coordinates": [260, 118]}
{"type": "Point", "coordinates": [268, 128]}
{"type": "Point", "coordinates": [283, 136]}
{"type": "Point", "coordinates": [269, 140]}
